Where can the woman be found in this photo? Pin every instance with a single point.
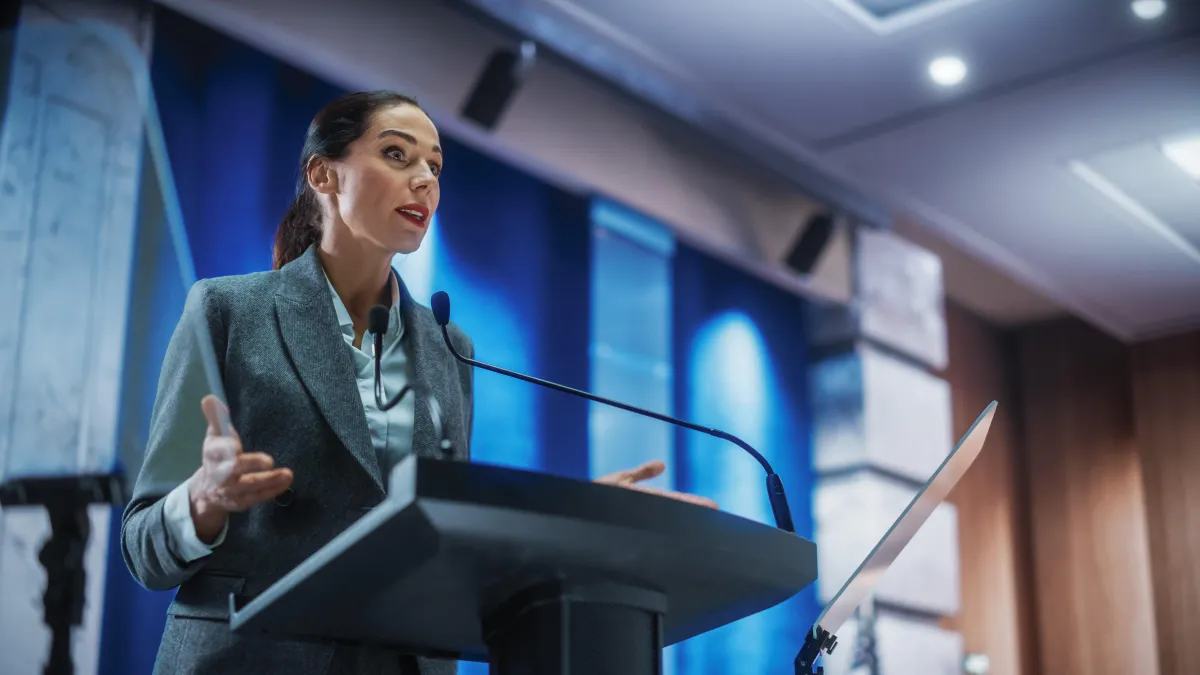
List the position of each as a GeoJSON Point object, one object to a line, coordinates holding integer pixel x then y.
{"type": "Point", "coordinates": [309, 447]}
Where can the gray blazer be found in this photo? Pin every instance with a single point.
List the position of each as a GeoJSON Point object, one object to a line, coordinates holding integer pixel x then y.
{"type": "Point", "coordinates": [292, 393]}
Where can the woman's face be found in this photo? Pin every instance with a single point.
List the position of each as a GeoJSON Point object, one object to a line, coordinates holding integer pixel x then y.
{"type": "Point", "coordinates": [385, 190]}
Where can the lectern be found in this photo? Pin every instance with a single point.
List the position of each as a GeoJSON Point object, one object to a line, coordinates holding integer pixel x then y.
{"type": "Point", "coordinates": [535, 574]}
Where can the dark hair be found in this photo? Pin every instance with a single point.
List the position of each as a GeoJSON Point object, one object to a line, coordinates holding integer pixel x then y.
{"type": "Point", "coordinates": [335, 127]}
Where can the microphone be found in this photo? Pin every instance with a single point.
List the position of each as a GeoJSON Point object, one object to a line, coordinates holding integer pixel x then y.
{"type": "Point", "coordinates": [377, 323]}
{"type": "Point", "coordinates": [440, 304]}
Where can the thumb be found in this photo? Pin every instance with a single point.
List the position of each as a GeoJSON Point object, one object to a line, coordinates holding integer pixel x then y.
{"type": "Point", "coordinates": [217, 415]}
{"type": "Point", "coordinates": [646, 471]}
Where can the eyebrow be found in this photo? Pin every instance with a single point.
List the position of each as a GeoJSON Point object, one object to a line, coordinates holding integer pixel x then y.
{"type": "Point", "coordinates": [408, 137]}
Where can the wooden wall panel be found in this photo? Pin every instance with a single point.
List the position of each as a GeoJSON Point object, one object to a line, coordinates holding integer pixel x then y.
{"type": "Point", "coordinates": [996, 618]}
{"type": "Point", "coordinates": [1088, 529]}
{"type": "Point", "coordinates": [1166, 386]}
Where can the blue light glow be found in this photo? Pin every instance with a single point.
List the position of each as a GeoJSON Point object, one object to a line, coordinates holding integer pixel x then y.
{"type": "Point", "coordinates": [630, 342]}
{"type": "Point", "coordinates": [506, 417]}
{"type": "Point", "coordinates": [733, 385]}
{"type": "Point", "coordinates": [732, 391]}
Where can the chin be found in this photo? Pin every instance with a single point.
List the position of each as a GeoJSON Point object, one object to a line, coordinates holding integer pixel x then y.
{"type": "Point", "coordinates": [408, 243]}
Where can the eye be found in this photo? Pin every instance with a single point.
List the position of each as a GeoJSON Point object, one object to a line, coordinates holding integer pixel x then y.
{"type": "Point", "coordinates": [435, 168]}
{"type": "Point", "coordinates": [394, 152]}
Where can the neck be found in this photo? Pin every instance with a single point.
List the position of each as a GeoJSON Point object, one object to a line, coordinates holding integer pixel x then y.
{"type": "Point", "coordinates": [361, 277]}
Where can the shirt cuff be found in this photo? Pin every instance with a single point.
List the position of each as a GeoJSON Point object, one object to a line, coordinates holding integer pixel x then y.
{"type": "Point", "coordinates": [181, 531]}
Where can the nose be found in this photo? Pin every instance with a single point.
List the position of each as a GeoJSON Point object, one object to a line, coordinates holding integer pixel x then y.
{"type": "Point", "coordinates": [423, 180]}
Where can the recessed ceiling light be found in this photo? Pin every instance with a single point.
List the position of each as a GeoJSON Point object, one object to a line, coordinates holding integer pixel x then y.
{"type": "Point", "coordinates": [947, 70]}
{"type": "Point", "coordinates": [1185, 152]}
{"type": "Point", "coordinates": [1148, 10]}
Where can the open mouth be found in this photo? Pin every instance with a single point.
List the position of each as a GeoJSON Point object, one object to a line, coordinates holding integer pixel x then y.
{"type": "Point", "coordinates": [415, 213]}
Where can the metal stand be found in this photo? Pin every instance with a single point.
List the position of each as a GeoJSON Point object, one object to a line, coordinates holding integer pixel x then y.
{"type": "Point", "coordinates": [818, 640]}
{"type": "Point", "coordinates": [66, 500]}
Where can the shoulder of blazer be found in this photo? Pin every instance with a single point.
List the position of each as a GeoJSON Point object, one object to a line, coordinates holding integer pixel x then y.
{"type": "Point", "coordinates": [424, 320]}
{"type": "Point", "coordinates": [235, 292]}
{"type": "Point", "coordinates": [226, 301]}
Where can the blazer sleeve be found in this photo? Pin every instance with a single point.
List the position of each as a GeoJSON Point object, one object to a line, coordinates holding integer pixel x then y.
{"type": "Point", "coordinates": [173, 451]}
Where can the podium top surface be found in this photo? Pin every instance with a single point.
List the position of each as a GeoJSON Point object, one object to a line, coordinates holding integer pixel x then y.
{"type": "Point", "coordinates": [454, 540]}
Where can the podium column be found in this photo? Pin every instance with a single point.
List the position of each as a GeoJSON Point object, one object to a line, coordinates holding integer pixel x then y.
{"type": "Point", "coordinates": [882, 425]}
{"type": "Point", "coordinates": [70, 153]}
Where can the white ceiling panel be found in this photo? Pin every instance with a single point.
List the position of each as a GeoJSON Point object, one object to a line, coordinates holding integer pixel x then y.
{"type": "Point", "coordinates": [810, 69]}
{"type": "Point", "coordinates": [1056, 91]}
{"type": "Point", "coordinates": [1002, 169]}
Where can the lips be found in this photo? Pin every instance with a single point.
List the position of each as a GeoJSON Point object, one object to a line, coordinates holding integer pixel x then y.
{"type": "Point", "coordinates": [417, 214]}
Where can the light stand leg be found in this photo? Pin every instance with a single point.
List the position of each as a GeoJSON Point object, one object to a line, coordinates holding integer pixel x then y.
{"type": "Point", "coordinates": [66, 500]}
{"type": "Point", "coordinates": [66, 578]}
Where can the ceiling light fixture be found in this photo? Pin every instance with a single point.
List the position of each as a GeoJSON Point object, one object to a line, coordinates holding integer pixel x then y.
{"type": "Point", "coordinates": [1185, 152]}
{"type": "Point", "coordinates": [947, 71]}
{"type": "Point", "coordinates": [1148, 10]}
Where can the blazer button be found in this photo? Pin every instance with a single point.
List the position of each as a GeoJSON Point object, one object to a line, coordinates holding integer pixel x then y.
{"type": "Point", "coordinates": [286, 497]}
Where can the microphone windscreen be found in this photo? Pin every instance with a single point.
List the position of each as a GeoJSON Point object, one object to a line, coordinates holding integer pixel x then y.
{"type": "Point", "coordinates": [440, 304]}
{"type": "Point", "coordinates": [377, 320]}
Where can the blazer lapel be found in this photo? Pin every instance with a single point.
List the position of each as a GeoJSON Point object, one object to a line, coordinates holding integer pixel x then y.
{"type": "Point", "coordinates": [317, 350]}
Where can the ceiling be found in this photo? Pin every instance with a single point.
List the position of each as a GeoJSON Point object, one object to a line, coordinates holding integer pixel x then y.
{"type": "Point", "coordinates": [1042, 165]}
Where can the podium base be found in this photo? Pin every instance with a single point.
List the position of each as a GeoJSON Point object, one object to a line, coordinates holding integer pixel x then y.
{"type": "Point", "coordinates": [563, 628]}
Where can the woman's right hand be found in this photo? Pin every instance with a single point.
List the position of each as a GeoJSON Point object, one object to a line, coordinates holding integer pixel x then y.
{"type": "Point", "coordinates": [229, 480]}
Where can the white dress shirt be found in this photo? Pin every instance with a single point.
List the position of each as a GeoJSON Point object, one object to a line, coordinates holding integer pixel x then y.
{"type": "Point", "coordinates": [391, 431]}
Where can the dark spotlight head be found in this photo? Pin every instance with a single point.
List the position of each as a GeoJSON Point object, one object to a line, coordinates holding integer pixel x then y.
{"type": "Point", "coordinates": [811, 243]}
{"type": "Point", "coordinates": [498, 83]}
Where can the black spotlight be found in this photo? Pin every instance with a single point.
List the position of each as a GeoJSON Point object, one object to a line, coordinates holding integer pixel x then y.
{"type": "Point", "coordinates": [811, 243]}
{"type": "Point", "coordinates": [499, 81]}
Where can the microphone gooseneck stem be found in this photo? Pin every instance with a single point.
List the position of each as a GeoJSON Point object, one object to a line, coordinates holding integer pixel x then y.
{"type": "Point", "coordinates": [389, 404]}
{"type": "Point", "coordinates": [775, 492]}
{"type": "Point", "coordinates": [435, 409]}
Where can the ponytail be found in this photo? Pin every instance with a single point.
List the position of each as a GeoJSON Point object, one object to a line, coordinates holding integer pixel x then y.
{"type": "Point", "coordinates": [299, 229]}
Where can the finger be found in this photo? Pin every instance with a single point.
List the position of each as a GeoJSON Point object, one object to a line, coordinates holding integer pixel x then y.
{"type": "Point", "coordinates": [261, 480]}
{"type": "Point", "coordinates": [217, 415]}
{"type": "Point", "coordinates": [211, 407]}
{"type": "Point", "coordinates": [249, 489]}
{"type": "Point", "coordinates": [252, 462]}
{"type": "Point", "coordinates": [645, 472]}
{"type": "Point", "coordinates": [267, 489]}
{"type": "Point", "coordinates": [240, 486]}
{"type": "Point", "coordinates": [612, 478]}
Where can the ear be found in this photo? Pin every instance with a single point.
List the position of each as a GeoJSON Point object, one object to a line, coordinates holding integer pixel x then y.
{"type": "Point", "coordinates": [321, 176]}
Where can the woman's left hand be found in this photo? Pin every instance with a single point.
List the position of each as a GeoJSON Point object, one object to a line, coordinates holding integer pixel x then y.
{"type": "Point", "coordinates": [632, 478]}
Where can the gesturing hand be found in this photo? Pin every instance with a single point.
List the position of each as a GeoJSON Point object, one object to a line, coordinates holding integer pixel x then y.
{"type": "Point", "coordinates": [228, 479]}
{"type": "Point", "coordinates": [631, 478]}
